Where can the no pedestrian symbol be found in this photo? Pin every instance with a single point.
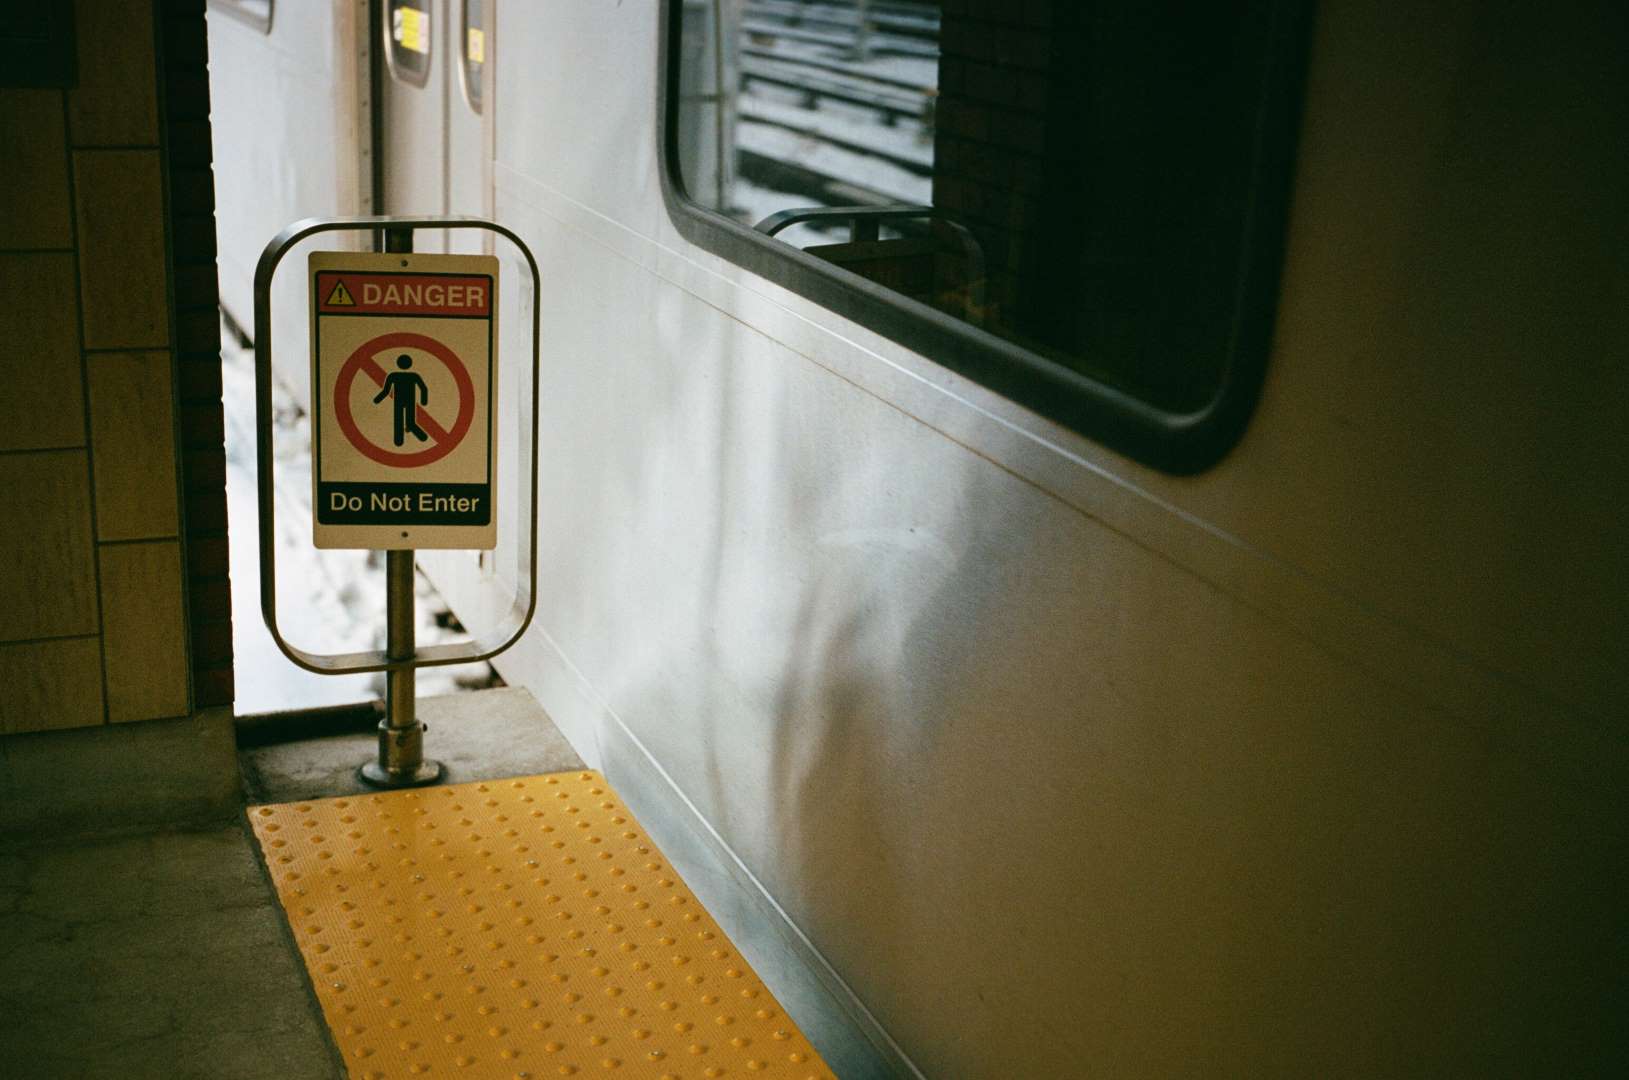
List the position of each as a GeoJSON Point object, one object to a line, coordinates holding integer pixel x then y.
{"type": "Point", "coordinates": [404, 377]}
{"type": "Point", "coordinates": [413, 422]}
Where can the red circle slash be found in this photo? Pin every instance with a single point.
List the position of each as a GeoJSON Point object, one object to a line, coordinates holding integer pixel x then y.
{"type": "Point", "coordinates": [363, 360]}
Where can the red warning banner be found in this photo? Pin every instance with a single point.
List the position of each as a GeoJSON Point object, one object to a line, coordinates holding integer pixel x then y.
{"type": "Point", "coordinates": [347, 293]}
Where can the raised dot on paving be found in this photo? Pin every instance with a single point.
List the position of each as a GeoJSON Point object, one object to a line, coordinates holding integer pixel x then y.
{"type": "Point", "coordinates": [522, 917]}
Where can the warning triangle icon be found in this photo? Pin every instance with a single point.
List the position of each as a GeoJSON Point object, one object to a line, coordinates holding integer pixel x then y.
{"type": "Point", "coordinates": [340, 297]}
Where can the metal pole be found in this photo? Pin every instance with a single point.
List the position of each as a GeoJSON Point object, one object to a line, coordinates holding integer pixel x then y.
{"type": "Point", "coordinates": [523, 605]}
{"type": "Point", "coordinates": [862, 30]}
{"type": "Point", "coordinates": [401, 760]}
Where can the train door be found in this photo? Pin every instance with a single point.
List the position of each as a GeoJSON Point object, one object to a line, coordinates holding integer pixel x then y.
{"type": "Point", "coordinates": [469, 155]}
{"type": "Point", "coordinates": [436, 118]}
{"type": "Point", "coordinates": [412, 112]}
{"type": "Point", "coordinates": [433, 113]}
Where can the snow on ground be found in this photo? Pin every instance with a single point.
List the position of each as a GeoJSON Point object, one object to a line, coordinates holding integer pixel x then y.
{"type": "Point", "coordinates": [904, 140]}
{"type": "Point", "coordinates": [848, 142]}
{"type": "Point", "coordinates": [327, 601]}
{"type": "Point", "coordinates": [863, 170]}
{"type": "Point", "coordinates": [919, 71]}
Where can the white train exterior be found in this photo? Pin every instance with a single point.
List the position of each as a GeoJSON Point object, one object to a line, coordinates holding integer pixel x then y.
{"type": "Point", "coordinates": [1309, 763]}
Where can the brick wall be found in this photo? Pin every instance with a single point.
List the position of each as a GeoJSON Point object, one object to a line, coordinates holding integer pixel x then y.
{"type": "Point", "coordinates": [113, 604]}
{"type": "Point", "coordinates": [198, 347]}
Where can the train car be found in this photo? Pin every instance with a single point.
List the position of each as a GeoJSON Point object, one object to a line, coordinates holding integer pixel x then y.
{"type": "Point", "coordinates": [1111, 517]}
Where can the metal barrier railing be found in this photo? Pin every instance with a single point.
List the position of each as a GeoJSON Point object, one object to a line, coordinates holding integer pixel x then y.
{"type": "Point", "coordinates": [401, 761]}
{"type": "Point", "coordinates": [865, 222]}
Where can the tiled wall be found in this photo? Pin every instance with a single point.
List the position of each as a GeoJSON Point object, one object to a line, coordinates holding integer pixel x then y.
{"type": "Point", "coordinates": [111, 476]}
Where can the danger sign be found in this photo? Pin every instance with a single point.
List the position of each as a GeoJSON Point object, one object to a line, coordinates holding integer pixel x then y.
{"type": "Point", "coordinates": [403, 376]}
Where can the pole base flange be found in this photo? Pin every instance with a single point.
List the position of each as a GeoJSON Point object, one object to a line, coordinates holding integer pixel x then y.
{"type": "Point", "coordinates": [375, 775]}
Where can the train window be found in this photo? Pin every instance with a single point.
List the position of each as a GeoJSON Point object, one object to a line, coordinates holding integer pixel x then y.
{"type": "Point", "coordinates": [473, 53]}
{"type": "Point", "coordinates": [257, 13]}
{"type": "Point", "coordinates": [1078, 204]}
{"type": "Point", "coordinates": [407, 48]}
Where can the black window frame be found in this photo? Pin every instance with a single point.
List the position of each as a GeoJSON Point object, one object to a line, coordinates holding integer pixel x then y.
{"type": "Point", "coordinates": [1176, 442]}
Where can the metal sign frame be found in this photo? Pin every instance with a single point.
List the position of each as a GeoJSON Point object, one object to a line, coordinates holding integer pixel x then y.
{"type": "Point", "coordinates": [524, 605]}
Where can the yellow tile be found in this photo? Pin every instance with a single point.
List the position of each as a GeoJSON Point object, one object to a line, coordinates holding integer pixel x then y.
{"type": "Point", "coordinates": [132, 445]}
{"type": "Point", "coordinates": [50, 684]}
{"type": "Point", "coordinates": [43, 404]}
{"type": "Point", "coordinates": [121, 248]}
{"type": "Point", "coordinates": [116, 101]}
{"type": "Point", "coordinates": [144, 631]}
{"type": "Point", "coordinates": [33, 171]}
{"type": "Point", "coordinates": [47, 561]}
{"type": "Point", "coordinates": [516, 927]}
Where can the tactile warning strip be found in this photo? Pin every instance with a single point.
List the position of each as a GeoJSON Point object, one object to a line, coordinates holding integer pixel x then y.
{"type": "Point", "coordinates": [516, 928]}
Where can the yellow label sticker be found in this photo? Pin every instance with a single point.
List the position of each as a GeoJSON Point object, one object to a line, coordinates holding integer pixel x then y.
{"type": "Point", "coordinates": [475, 47]}
{"type": "Point", "coordinates": [410, 27]}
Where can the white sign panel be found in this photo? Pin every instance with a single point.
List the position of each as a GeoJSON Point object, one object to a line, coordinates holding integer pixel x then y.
{"type": "Point", "coordinates": [403, 379]}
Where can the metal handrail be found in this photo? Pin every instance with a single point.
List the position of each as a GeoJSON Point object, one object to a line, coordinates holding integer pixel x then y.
{"type": "Point", "coordinates": [524, 605]}
{"type": "Point", "coordinates": [864, 223]}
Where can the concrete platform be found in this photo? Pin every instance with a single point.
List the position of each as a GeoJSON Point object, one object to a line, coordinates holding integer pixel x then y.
{"type": "Point", "coordinates": [118, 779]}
{"type": "Point", "coordinates": [141, 937]}
{"type": "Point", "coordinates": [482, 735]}
{"type": "Point", "coordinates": [164, 956]}
{"type": "Point", "coordinates": [139, 934]}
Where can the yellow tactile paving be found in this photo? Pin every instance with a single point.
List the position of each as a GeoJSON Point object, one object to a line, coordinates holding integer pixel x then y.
{"type": "Point", "coordinates": [516, 928]}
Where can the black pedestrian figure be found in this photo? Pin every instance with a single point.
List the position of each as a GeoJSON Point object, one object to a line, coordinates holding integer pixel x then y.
{"type": "Point", "coordinates": [409, 393]}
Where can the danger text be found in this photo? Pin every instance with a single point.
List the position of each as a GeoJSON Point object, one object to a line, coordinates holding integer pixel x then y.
{"type": "Point", "coordinates": [431, 294]}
